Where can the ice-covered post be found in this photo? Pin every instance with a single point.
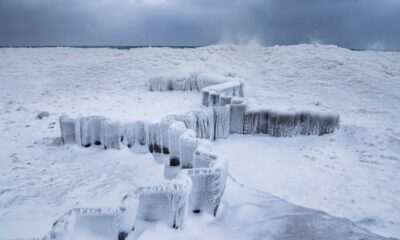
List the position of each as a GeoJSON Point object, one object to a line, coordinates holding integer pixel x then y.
{"type": "Point", "coordinates": [110, 134]}
{"type": "Point", "coordinates": [154, 138]}
{"type": "Point", "coordinates": [222, 121]}
{"type": "Point", "coordinates": [175, 131]}
{"type": "Point", "coordinates": [166, 203]}
{"type": "Point", "coordinates": [238, 111]}
{"type": "Point", "coordinates": [67, 127]}
{"type": "Point", "coordinates": [187, 145]}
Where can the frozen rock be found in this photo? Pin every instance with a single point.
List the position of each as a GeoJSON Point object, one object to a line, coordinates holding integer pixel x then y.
{"type": "Point", "coordinates": [42, 114]}
{"type": "Point", "coordinates": [67, 127]}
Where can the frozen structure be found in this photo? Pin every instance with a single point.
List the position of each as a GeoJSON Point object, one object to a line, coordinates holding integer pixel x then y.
{"type": "Point", "coordinates": [164, 203]}
{"type": "Point", "coordinates": [102, 222]}
{"type": "Point", "coordinates": [199, 176]}
{"type": "Point", "coordinates": [228, 113]}
{"type": "Point", "coordinates": [196, 187]}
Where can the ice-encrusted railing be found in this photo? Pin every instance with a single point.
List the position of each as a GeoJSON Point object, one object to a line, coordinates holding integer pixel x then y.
{"type": "Point", "coordinates": [197, 185]}
{"type": "Point", "coordinates": [220, 91]}
{"type": "Point", "coordinates": [200, 181]}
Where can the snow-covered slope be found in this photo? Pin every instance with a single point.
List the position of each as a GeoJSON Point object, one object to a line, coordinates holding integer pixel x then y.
{"type": "Point", "coordinates": [352, 173]}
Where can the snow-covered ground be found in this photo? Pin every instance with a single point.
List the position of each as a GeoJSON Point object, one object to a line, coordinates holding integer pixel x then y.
{"type": "Point", "coordinates": [353, 173]}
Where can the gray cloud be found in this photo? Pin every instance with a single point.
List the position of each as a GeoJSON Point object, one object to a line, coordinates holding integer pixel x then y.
{"type": "Point", "coordinates": [347, 23]}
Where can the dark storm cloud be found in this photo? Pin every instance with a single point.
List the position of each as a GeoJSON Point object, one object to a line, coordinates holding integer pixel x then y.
{"type": "Point", "coordinates": [348, 23]}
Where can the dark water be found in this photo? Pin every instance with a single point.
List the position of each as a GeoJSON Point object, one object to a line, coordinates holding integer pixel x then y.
{"type": "Point", "coordinates": [113, 47]}
{"type": "Point", "coordinates": [177, 47]}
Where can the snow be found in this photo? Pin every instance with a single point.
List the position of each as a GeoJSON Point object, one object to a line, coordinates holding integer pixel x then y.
{"type": "Point", "coordinates": [352, 173]}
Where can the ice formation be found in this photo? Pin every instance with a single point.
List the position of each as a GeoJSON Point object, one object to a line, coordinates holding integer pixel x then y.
{"type": "Point", "coordinates": [192, 82]}
{"type": "Point", "coordinates": [110, 134]}
{"type": "Point", "coordinates": [238, 110]}
{"type": "Point", "coordinates": [211, 95]}
{"type": "Point", "coordinates": [67, 126]}
{"type": "Point", "coordinates": [199, 177]}
{"type": "Point", "coordinates": [221, 122]}
{"type": "Point", "coordinates": [187, 146]}
{"type": "Point", "coordinates": [164, 203]}
{"type": "Point", "coordinates": [103, 222]}
{"type": "Point", "coordinates": [174, 133]}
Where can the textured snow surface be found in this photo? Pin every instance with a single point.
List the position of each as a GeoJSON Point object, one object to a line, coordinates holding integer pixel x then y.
{"type": "Point", "coordinates": [353, 173]}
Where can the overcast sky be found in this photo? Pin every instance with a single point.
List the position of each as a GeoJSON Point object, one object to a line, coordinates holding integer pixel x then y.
{"type": "Point", "coordinates": [347, 23]}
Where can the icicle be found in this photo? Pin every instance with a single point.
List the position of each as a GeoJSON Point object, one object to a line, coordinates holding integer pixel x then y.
{"type": "Point", "coordinates": [222, 121]}
{"type": "Point", "coordinates": [328, 123]}
{"type": "Point", "coordinates": [78, 136]}
{"type": "Point", "coordinates": [141, 137]}
{"type": "Point", "coordinates": [128, 135]}
{"type": "Point", "coordinates": [263, 121]}
{"type": "Point", "coordinates": [282, 124]}
{"type": "Point", "coordinates": [224, 100]}
{"type": "Point", "coordinates": [214, 99]}
{"type": "Point", "coordinates": [252, 122]}
{"type": "Point", "coordinates": [205, 96]}
{"type": "Point", "coordinates": [154, 138]}
{"type": "Point", "coordinates": [205, 123]}
{"type": "Point", "coordinates": [160, 84]}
